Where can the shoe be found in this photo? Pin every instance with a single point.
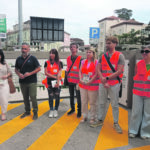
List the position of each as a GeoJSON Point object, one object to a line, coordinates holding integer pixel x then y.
{"type": "Point", "coordinates": [83, 120]}
{"type": "Point", "coordinates": [3, 117]}
{"type": "Point", "coordinates": [79, 114]}
{"type": "Point", "coordinates": [35, 116]}
{"type": "Point", "coordinates": [97, 124]}
{"type": "Point", "coordinates": [25, 115]}
{"type": "Point", "coordinates": [70, 112]}
{"type": "Point", "coordinates": [131, 135]}
{"type": "Point", "coordinates": [92, 121]}
{"type": "Point", "coordinates": [51, 114]}
{"type": "Point", "coordinates": [145, 137]}
{"type": "Point", "coordinates": [55, 113]}
{"type": "Point", "coordinates": [117, 128]}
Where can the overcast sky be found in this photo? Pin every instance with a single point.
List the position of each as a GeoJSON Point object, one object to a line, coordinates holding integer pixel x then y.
{"type": "Point", "coordinates": [79, 15]}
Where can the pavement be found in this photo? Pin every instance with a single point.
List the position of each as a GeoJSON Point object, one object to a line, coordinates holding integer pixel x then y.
{"type": "Point", "coordinates": [64, 132]}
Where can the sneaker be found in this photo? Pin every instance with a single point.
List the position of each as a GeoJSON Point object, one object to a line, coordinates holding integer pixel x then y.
{"type": "Point", "coordinates": [55, 113]}
{"type": "Point", "coordinates": [25, 115]}
{"type": "Point", "coordinates": [97, 124]}
{"type": "Point", "coordinates": [51, 114]}
{"type": "Point", "coordinates": [145, 137]}
{"type": "Point", "coordinates": [79, 114]}
{"type": "Point", "coordinates": [131, 135]}
{"type": "Point", "coordinates": [117, 128]}
{"type": "Point", "coordinates": [35, 116]}
{"type": "Point", "coordinates": [70, 112]}
{"type": "Point", "coordinates": [83, 120]}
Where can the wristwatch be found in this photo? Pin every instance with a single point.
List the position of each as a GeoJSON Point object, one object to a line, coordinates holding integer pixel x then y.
{"type": "Point", "coordinates": [107, 78]}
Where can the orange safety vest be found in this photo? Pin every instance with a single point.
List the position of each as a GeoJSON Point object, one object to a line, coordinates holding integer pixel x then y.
{"type": "Point", "coordinates": [52, 69]}
{"type": "Point", "coordinates": [142, 80]}
{"type": "Point", "coordinates": [91, 72]}
{"type": "Point", "coordinates": [106, 70]}
{"type": "Point", "coordinates": [73, 76]}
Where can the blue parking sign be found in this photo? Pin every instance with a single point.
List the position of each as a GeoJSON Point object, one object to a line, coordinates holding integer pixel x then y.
{"type": "Point", "coordinates": [94, 33]}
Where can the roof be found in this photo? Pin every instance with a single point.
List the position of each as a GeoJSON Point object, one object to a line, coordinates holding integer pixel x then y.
{"type": "Point", "coordinates": [110, 18]}
{"type": "Point", "coordinates": [132, 22]}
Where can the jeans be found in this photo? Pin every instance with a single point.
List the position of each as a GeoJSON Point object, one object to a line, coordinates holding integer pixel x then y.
{"type": "Point", "coordinates": [72, 87]}
{"type": "Point", "coordinates": [54, 93]}
{"type": "Point", "coordinates": [140, 118]}
{"type": "Point", "coordinates": [29, 90]}
{"type": "Point", "coordinates": [113, 92]}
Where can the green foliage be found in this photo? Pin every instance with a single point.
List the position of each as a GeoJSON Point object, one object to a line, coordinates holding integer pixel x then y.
{"type": "Point", "coordinates": [124, 13]}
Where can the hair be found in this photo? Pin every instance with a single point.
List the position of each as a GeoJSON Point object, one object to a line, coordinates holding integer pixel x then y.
{"type": "Point", "coordinates": [112, 39]}
{"type": "Point", "coordinates": [2, 57]}
{"type": "Point", "coordinates": [77, 46]}
{"type": "Point", "coordinates": [146, 46]}
{"type": "Point", "coordinates": [25, 44]}
{"type": "Point", "coordinates": [94, 53]}
{"type": "Point", "coordinates": [54, 51]}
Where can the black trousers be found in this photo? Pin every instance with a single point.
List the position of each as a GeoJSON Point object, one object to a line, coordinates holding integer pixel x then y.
{"type": "Point", "coordinates": [72, 89]}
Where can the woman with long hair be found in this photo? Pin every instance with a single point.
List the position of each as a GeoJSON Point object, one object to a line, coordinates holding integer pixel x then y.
{"type": "Point", "coordinates": [140, 118]}
{"type": "Point", "coordinates": [53, 67]}
{"type": "Point", "coordinates": [89, 84]}
{"type": "Point", "coordinates": [4, 88]}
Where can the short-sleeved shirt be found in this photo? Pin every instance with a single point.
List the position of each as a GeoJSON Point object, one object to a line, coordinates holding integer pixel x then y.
{"type": "Point", "coordinates": [51, 79]}
{"type": "Point", "coordinates": [121, 60]}
{"type": "Point", "coordinates": [30, 65]}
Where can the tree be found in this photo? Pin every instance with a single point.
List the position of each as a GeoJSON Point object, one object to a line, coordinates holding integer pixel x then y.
{"type": "Point", "coordinates": [124, 13]}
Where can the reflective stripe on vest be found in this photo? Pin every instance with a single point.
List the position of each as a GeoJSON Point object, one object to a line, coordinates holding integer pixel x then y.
{"type": "Point", "coordinates": [142, 80]}
{"type": "Point", "coordinates": [91, 69]}
{"type": "Point", "coordinates": [106, 70]}
{"type": "Point", "coordinates": [73, 76]}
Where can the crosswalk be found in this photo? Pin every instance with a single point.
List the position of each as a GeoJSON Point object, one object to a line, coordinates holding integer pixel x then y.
{"type": "Point", "coordinates": [64, 132]}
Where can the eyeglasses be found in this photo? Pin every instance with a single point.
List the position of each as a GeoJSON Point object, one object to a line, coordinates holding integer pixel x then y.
{"type": "Point", "coordinates": [145, 51]}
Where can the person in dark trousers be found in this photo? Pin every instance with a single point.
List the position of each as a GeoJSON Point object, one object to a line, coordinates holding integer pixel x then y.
{"type": "Point", "coordinates": [53, 67]}
{"type": "Point", "coordinates": [73, 78]}
{"type": "Point", "coordinates": [27, 67]}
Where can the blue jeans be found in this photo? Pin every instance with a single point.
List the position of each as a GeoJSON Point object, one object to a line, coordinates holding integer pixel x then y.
{"type": "Point", "coordinates": [54, 93]}
{"type": "Point", "coordinates": [140, 118]}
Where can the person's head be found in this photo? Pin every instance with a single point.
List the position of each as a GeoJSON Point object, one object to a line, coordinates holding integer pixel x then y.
{"type": "Point", "coordinates": [2, 57]}
{"type": "Point", "coordinates": [53, 55]}
{"type": "Point", "coordinates": [25, 49]}
{"type": "Point", "coordinates": [91, 54]}
{"type": "Point", "coordinates": [146, 52]}
{"type": "Point", "coordinates": [111, 42]}
{"type": "Point", "coordinates": [74, 48]}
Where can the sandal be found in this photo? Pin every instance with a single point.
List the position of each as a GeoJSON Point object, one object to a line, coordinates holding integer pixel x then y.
{"type": "Point", "coordinates": [83, 120]}
{"type": "Point", "coordinates": [3, 117]}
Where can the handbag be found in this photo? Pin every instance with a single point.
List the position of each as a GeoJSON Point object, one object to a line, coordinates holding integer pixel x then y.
{"type": "Point", "coordinates": [66, 83]}
{"type": "Point", "coordinates": [118, 78]}
{"type": "Point", "coordinates": [12, 88]}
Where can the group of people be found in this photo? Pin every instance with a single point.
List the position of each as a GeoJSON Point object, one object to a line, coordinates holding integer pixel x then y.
{"type": "Point", "coordinates": [93, 80]}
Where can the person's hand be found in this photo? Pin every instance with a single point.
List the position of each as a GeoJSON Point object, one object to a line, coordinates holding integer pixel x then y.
{"type": "Point", "coordinates": [27, 74]}
{"type": "Point", "coordinates": [21, 76]}
{"type": "Point", "coordinates": [4, 77]}
{"type": "Point", "coordinates": [56, 85]}
{"type": "Point", "coordinates": [106, 85]}
{"type": "Point", "coordinates": [82, 82]}
{"type": "Point", "coordinates": [103, 80]}
{"type": "Point", "coordinates": [88, 83]}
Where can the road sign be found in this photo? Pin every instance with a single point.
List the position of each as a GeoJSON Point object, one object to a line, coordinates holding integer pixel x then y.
{"type": "Point", "coordinates": [2, 26]}
{"type": "Point", "coordinates": [94, 32]}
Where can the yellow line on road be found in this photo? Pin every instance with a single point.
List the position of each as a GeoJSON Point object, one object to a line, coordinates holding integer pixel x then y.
{"type": "Point", "coordinates": [108, 137]}
{"type": "Point", "coordinates": [57, 135]}
{"type": "Point", "coordinates": [142, 148]}
{"type": "Point", "coordinates": [11, 106]}
{"type": "Point", "coordinates": [15, 125]}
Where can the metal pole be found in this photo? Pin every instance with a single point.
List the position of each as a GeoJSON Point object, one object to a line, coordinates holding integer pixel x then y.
{"type": "Point", "coordinates": [20, 21]}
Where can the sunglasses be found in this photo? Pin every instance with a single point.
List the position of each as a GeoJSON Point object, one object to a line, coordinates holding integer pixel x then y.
{"type": "Point", "coordinates": [145, 51]}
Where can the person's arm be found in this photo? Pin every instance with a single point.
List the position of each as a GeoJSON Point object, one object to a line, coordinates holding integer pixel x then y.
{"type": "Point", "coordinates": [135, 70]}
{"type": "Point", "coordinates": [48, 74]}
{"type": "Point", "coordinates": [80, 75]}
{"type": "Point", "coordinates": [33, 72]}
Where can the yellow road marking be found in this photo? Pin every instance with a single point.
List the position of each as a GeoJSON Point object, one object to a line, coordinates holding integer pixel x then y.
{"type": "Point", "coordinates": [142, 148]}
{"type": "Point", "coordinates": [57, 135]}
{"type": "Point", "coordinates": [11, 106]}
{"type": "Point", "coordinates": [15, 125]}
{"type": "Point", "coordinates": [108, 137]}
